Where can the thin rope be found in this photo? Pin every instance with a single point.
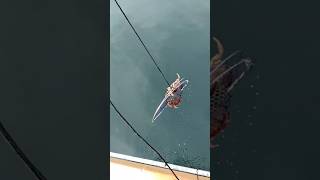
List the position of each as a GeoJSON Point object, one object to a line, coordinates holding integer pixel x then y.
{"type": "Point", "coordinates": [145, 47]}
{"type": "Point", "coordinates": [197, 174]}
{"type": "Point", "coordinates": [144, 140]}
{"type": "Point", "coordinates": [20, 153]}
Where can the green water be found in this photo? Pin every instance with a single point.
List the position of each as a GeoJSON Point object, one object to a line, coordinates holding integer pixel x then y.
{"type": "Point", "coordinates": [177, 35]}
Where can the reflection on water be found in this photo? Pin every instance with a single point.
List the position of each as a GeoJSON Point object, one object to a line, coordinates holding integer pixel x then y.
{"type": "Point", "coordinates": [177, 34]}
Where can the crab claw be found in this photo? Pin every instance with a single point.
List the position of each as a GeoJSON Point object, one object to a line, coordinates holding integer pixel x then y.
{"type": "Point", "coordinates": [178, 76]}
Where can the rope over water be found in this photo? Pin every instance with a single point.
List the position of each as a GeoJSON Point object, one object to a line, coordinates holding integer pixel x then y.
{"type": "Point", "coordinates": [144, 140]}
{"type": "Point", "coordinates": [145, 47]}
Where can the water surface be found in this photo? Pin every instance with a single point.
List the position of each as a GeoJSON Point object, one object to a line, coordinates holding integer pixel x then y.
{"type": "Point", "coordinates": [177, 35]}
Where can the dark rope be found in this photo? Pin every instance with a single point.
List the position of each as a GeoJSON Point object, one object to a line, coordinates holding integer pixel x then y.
{"type": "Point", "coordinates": [125, 120]}
{"type": "Point", "coordinates": [145, 47]}
{"type": "Point", "coordinates": [197, 174]}
{"type": "Point", "coordinates": [26, 161]}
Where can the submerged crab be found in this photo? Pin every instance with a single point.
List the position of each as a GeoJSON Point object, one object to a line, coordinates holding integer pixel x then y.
{"type": "Point", "coordinates": [223, 78]}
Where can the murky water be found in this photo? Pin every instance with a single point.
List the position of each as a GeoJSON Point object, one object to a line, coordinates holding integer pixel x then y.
{"type": "Point", "coordinates": [177, 34]}
{"type": "Point", "coordinates": [274, 123]}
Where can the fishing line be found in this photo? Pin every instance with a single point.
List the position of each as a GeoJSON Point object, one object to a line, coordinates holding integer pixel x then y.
{"type": "Point", "coordinates": [197, 174]}
{"type": "Point", "coordinates": [145, 47]}
{"type": "Point", "coordinates": [144, 140]}
{"type": "Point", "coordinates": [20, 153]}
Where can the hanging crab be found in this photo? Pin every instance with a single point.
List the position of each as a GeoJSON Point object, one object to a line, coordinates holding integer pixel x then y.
{"type": "Point", "coordinates": [173, 96]}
